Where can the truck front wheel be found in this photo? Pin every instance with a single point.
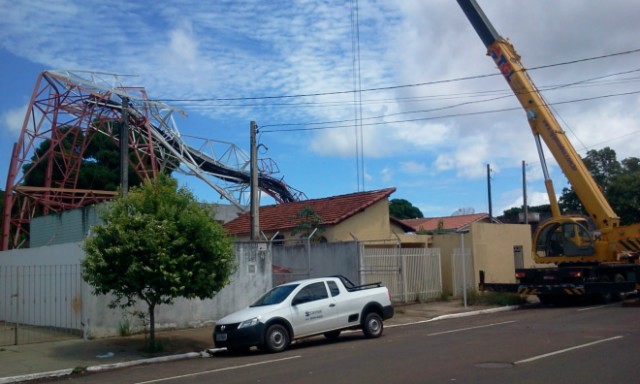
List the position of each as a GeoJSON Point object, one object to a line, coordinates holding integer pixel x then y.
{"type": "Point", "coordinates": [276, 339]}
{"type": "Point", "coordinates": [372, 325]}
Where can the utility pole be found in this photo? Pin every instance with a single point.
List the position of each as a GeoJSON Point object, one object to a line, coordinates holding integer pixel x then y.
{"type": "Point", "coordinates": [489, 191]}
{"type": "Point", "coordinates": [254, 209]}
{"type": "Point", "coordinates": [124, 148]}
{"type": "Point", "coordinates": [525, 209]}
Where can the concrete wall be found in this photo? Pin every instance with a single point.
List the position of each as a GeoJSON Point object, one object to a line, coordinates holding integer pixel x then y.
{"type": "Point", "coordinates": [493, 249]}
{"type": "Point", "coordinates": [73, 225]}
{"type": "Point", "coordinates": [64, 227]}
{"type": "Point", "coordinates": [251, 279]}
{"type": "Point", "coordinates": [323, 259]}
{"type": "Point", "coordinates": [448, 245]}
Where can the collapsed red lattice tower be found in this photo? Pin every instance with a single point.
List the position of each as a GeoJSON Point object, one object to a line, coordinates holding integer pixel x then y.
{"type": "Point", "coordinates": [69, 111]}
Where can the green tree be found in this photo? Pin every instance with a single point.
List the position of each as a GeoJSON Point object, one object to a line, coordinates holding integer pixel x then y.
{"type": "Point", "coordinates": [308, 221]}
{"type": "Point", "coordinates": [100, 167]}
{"type": "Point", "coordinates": [402, 209]}
{"type": "Point", "coordinates": [157, 244]}
{"type": "Point", "coordinates": [603, 166]}
{"type": "Point", "coordinates": [624, 191]}
{"type": "Point", "coordinates": [515, 211]}
{"type": "Point", "coordinates": [619, 182]}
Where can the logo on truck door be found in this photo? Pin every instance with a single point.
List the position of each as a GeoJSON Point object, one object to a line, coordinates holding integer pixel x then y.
{"type": "Point", "coordinates": [312, 315]}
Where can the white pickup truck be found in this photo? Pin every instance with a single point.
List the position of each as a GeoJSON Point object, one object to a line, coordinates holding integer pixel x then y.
{"type": "Point", "coordinates": [305, 308]}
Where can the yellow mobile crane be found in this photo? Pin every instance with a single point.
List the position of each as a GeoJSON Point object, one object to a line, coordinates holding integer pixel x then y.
{"type": "Point", "coordinates": [600, 261]}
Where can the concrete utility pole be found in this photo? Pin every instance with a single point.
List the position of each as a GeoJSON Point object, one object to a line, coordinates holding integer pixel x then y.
{"type": "Point", "coordinates": [489, 190]}
{"type": "Point", "coordinates": [124, 148]}
{"type": "Point", "coordinates": [255, 194]}
{"type": "Point", "coordinates": [525, 208]}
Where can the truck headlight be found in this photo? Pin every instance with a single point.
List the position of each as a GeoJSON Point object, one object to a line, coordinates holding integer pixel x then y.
{"type": "Point", "coordinates": [249, 323]}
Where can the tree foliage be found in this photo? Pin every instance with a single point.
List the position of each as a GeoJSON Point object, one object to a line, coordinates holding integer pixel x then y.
{"type": "Point", "coordinates": [403, 209]}
{"type": "Point", "coordinates": [308, 222]}
{"type": "Point", "coordinates": [100, 163]}
{"type": "Point", "coordinates": [157, 244]}
{"type": "Point", "coordinates": [619, 181]}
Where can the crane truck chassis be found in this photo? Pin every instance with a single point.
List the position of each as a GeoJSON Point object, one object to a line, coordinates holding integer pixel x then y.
{"type": "Point", "coordinates": [583, 258]}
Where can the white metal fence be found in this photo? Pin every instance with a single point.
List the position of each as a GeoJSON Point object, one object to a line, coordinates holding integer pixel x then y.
{"type": "Point", "coordinates": [462, 275]}
{"type": "Point", "coordinates": [410, 274]}
{"type": "Point", "coordinates": [40, 303]}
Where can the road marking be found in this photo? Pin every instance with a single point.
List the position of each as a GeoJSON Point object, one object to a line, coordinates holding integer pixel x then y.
{"type": "Point", "coordinates": [219, 370]}
{"type": "Point", "coordinates": [567, 350]}
{"type": "Point", "coordinates": [470, 328]}
{"type": "Point", "coordinates": [595, 307]}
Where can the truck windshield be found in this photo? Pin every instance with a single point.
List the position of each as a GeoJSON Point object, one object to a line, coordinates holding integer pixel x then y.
{"type": "Point", "coordinates": [275, 296]}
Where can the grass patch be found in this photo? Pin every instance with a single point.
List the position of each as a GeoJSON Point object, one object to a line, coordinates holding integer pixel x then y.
{"type": "Point", "coordinates": [494, 298]}
{"type": "Point", "coordinates": [124, 328]}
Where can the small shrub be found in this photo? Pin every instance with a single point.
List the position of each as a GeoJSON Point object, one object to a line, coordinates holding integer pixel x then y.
{"type": "Point", "coordinates": [156, 346]}
{"type": "Point", "coordinates": [494, 298]}
{"type": "Point", "coordinates": [124, 327]}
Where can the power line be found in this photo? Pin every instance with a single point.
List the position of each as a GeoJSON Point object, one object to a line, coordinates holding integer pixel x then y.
{"type": "Point", "coordinates": [441, 116]}
{"type": "Point", "coordinates": [505, 94]}
{"type": "Point", "coordinates": [392, 87]}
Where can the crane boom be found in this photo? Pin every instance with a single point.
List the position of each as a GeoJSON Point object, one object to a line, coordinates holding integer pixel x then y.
{"type": "Point", "coordinates": [542, 121]}
{"type": "Point", "coordinates": [601, 263]}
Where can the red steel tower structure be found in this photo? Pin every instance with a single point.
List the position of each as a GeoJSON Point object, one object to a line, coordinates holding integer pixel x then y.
{"type": "Point", "coordinates": [68, 110]}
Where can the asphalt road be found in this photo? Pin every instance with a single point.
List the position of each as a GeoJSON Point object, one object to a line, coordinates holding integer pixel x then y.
{"type": "Point", "coordinates": [539, 345]}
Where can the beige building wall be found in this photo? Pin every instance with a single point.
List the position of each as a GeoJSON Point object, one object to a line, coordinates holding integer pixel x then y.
{"type": "Point", "coordinates": [492, 247]}
{"type": "Point", "coordinates": [493, 250]}
{"type": "Point", "coordinates": [370, 224]}
{"type": "Point", "coordinates": [447, 243]}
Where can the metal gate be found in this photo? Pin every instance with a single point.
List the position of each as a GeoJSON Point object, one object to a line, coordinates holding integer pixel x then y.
{"type": "Point", "coordinates": [410, 274]}
{"type": "Point", "coordinates": [40, 303]}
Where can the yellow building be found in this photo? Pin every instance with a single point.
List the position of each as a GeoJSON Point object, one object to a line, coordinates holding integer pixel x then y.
{"type": "Point", "coordinates": [362, 216]}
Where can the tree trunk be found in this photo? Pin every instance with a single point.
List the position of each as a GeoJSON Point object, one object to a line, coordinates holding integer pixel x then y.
{"type": "Point", "coordinates": [152, 327]}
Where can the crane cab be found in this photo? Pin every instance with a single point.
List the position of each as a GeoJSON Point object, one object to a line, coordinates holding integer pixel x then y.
{"type": "Point", "coordinates": [564, 237]}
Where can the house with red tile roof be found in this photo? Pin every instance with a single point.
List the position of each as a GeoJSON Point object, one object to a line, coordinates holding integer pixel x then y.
{"type": "Point", "coordinates": [447, 224]}
{"type": "Point", "coordinates": [355, 216]}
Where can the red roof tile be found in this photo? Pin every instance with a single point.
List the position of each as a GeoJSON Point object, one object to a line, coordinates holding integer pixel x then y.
{"type": "Point", "coordinates": [448, 222]}
{"type": "Point", "coordinates": [332, 210]}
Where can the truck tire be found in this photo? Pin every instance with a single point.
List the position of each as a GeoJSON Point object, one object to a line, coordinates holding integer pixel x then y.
{"type": "Point", "coordinates": [372, 325]}
{"type": "Point", "coordinates": [276, 338]}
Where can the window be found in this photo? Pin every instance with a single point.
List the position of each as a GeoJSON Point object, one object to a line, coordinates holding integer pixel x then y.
{"type": "Point", "coordinates": [312, 292]}
{"type": "Point", "coordinates": [333, 288]}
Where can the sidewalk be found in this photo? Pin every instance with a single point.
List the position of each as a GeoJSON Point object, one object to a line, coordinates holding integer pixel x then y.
{"type": "Point", "coordinates": [61, 358]}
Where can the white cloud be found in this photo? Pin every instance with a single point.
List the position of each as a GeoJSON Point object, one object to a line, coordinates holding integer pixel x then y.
{"type": "Point", "coordinates": [534, 198]}
{"type": "Point", "coordinates": [11, 120]}
{"type": "Point", "coordinates": [217, 50]}
{"type": "Point", "coordinates": [412, 167]}
{"type": "Point", "coordinates": [386, 174]}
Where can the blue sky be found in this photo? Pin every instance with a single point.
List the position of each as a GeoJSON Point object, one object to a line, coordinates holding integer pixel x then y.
{"type": "Point", "coordinates": [419, 138]}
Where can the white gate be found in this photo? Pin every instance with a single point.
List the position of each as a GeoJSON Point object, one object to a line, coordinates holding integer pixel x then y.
{"type": "Point", "coordinates": [410, 274]}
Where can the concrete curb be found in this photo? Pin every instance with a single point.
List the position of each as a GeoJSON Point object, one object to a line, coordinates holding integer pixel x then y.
{"type": "Point", "coordinates": [102, 367]}
{"type": "Point", "coordinates": [35, 376]}
{"type": "Point", "coordinates": [478, 312]}
{"type": "Point", "coordinates": [153, 360]}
